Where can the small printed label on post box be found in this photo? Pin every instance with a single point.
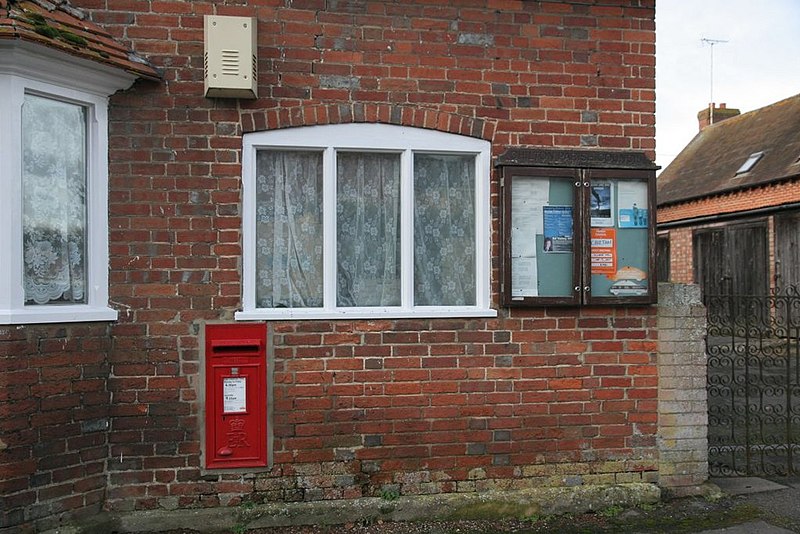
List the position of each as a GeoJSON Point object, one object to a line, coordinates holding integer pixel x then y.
{"type": "Point", "coordinates": [234, 392]}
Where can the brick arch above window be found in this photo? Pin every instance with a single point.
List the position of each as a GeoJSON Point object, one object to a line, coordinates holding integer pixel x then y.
{"type": "Point", "coordinates": [400, 115]}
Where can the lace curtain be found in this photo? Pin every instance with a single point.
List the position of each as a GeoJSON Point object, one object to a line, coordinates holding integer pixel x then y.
{"type": "Point", "coordinates": [368, 229]}
{"type": "Point", "coordinates": [289, 239]}
{"type": "Point", "coordinates": [54, 201]}
{"type": "Point", "coordinates": [444, 230]}
{"type": "Point", "coordinates": [288, 229]}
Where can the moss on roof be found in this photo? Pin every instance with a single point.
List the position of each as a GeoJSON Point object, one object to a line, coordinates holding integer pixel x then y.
{"type": "Point", "coordinates": [60, 26]}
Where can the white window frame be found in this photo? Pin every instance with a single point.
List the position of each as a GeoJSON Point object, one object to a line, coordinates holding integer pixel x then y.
{"type": "Point", "coordinates": [361, 137]}
{"type": "Point", "coordinates": [27, 68]}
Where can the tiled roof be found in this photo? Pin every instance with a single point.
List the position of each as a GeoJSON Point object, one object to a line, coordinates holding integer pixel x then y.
{"type": "Point", "coordinates": [58, 25]}
{"type": "Point", "coordinates": [708, 164]}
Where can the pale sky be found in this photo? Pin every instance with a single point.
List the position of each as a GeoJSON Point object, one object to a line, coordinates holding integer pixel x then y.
{"type": "Point", "coordinates": [757, 66]}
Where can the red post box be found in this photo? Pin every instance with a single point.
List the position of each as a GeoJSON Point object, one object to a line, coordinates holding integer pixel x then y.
{"type": "Point", "coordinates": [236, 395]}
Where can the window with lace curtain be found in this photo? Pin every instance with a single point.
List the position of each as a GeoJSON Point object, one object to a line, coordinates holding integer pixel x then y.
{"type": "Point", "coordinates": [53, 170]}
{"type": "Point", "coordinates": [53, 201]}
{"type": "Point", "coordinates": [365, 220]}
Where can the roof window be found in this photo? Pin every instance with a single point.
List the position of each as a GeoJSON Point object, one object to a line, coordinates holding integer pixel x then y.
{"type": "Point", "coordinates": [750, 163]}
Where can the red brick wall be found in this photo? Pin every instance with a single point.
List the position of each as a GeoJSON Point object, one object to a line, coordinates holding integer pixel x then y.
{"type": "Point", "coordinates": [429, 406]}
{"type": "Point", "coordinates": [53, 423]}
{"type": "Point", "coordinates": [680, 242]}
{"type": "Point", "coordinates": [547, 396]}
{"type": "Point", "coordinates": [744, 200]}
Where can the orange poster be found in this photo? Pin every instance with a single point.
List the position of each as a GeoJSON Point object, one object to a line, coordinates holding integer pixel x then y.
{"type": "Point", "coordinates": [604, 251]}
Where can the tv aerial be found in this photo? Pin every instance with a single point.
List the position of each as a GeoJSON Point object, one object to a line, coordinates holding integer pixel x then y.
{"type": "Point", "coordinates": [711, 43]}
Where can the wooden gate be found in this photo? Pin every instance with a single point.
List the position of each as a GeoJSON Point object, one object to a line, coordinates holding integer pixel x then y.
{"type": "Point", "coordinates": [787, 249]}
{"type": "Point", "coordinates": [732, 259]}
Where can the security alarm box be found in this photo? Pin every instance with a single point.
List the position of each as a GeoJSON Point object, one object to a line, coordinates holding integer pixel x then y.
{"type": "Point", "coordinates": [230, 61]}
{"type": "Point", "coordinates": [236, 395]}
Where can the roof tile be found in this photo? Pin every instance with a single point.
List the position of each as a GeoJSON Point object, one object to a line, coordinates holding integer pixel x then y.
{"type": "Point", "coordinates": [60, 26]}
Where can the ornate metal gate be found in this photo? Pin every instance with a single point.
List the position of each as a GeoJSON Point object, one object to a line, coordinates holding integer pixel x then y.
{"type": "Point", "coordinates": [753, 348]}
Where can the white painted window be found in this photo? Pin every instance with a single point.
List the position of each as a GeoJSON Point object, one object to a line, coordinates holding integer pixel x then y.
{"type": "Point", "coordinates": [54, 178]}
{"type": "Point", "coordinates": [365, 220]}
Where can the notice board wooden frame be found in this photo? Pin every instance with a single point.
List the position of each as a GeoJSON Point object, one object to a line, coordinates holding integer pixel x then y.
{"type": "Point", "coordinates": [599, 192]}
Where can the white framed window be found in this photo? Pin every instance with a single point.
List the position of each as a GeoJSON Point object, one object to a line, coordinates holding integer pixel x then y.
{"type": "Point", "coordinates": [54, 176]}
{"type": "Point", "coordinates": [365, 221]}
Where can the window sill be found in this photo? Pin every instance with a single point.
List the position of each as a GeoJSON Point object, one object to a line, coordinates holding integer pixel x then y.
{"type": "Point", "coordinates": [57, 314]}
{"type": "Point", "coordinates": [364, 313]}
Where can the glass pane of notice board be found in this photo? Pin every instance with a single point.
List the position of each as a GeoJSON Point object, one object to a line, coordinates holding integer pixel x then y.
{"type": "Point", "coordinates": [576, 240]}
{"type": "Point", "coordinates": [619, 219]}
{"type": "Point", "coordinates": [543, 244]}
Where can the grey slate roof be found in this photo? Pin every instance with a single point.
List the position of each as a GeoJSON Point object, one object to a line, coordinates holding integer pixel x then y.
{"type": "Point", "coordinates": [708, 164]}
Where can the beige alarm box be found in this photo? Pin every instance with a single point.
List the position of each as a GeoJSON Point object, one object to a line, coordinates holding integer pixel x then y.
{"type": "Point", "coordinates": [230, 59]}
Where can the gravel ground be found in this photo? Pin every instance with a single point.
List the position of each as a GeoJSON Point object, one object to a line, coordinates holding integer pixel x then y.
{"type": "Point", "coordinates": [675, 516]}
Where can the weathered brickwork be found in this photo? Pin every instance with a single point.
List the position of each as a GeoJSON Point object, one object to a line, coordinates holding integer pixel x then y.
{"type": "Point", "coordinates": [547, 396]}
{"type": "Point", "coordinates": [680, 243]}
{"type": "Point", "coordinates": [771, 195]}
{"type": "Point", "coordinates": [448, 399]}
{"type": "Point", "coordinates": [54, 416]}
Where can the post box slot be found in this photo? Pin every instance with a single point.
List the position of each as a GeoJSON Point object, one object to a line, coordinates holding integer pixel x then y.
{"type": "Point", "coordinates": [236, 346]}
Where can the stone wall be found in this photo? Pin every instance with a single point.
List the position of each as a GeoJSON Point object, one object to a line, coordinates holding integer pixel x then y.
{"type": "Point", "coordinates": [682, 404]}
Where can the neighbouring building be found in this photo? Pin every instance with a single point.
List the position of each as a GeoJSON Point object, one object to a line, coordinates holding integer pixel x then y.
{"type": "Point", "coordinates": [729, 203]}
{"type": "Point", "coordinates": [383, 246]}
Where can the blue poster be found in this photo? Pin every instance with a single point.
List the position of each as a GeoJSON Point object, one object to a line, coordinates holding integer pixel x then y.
{"type": "Point", "coordinates": [633, 204]}
{"type": "Point", "coordinates": [557, 229]}
{"type": "Point", "coordinates": [634, 217]}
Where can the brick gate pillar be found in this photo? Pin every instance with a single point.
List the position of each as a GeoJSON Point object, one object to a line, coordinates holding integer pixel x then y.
{"type": "Point", "coordinates": [682, 401]}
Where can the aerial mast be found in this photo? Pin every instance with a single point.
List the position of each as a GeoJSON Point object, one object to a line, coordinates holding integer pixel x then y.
{"type": "Point", "coordinates": [711, 43]}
